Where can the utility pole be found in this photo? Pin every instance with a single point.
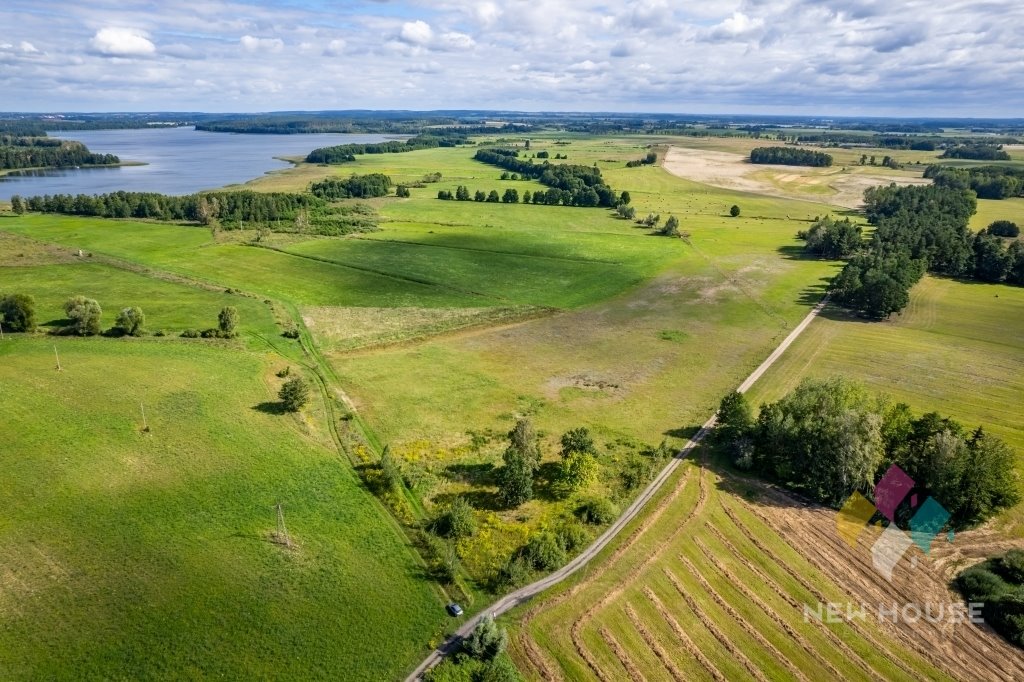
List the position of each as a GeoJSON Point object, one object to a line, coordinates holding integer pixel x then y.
{"type": "Point", "coordinates": [145, 424]}
{"type": "Point", "coordinates": [59, 368]}
{"type": "Point", "coordinates": [282, 531]}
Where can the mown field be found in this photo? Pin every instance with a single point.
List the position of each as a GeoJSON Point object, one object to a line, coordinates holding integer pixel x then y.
{"type": "Point", "coordinates": [147, 555]}
{"type": "Point", "coordinates": [713, 583]}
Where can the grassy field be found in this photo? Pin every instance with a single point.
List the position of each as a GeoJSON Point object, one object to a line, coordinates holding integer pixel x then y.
{"type": "Point", "coordinates": [134, 555]}
{"type": "Point", "coordinates": [168, 306]}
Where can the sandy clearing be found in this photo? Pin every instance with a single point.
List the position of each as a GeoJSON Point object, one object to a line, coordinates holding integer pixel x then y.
{"type": "Point", "coordinates": [733, 171]}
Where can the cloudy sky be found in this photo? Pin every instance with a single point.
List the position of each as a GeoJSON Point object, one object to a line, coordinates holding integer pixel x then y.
{"type": "Point", "coordinates": [858, 57]}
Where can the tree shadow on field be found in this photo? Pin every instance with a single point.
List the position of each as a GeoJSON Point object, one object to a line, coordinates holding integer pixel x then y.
{"type": "Point", "coordinates": [269, 407]}
{"type": "Point", "coordinates": [482, 473]}
{"type": "Point", "coordinates": [485, 500]}
{"type": "Point", "coordinates": [546, 483]}
{"type": "Point", "coordinates": [750, 488]}
{"type": "Point", "coordinates": [683, 432]}
{"type": "Point", "coordinates": [796, 252]}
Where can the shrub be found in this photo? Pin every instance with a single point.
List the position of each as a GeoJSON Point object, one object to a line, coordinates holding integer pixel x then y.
{"type": "Point", "coordinates": [18, 313]}
{"type": "Point", "coordinates": [734, 211]}
{"type": "Point", "coordinates": [455, 521]}
{"type": "Point", "coordinates": [1011, 566]}
{"type": "Point", "coordinates": [572, 536]}
{"type": "Point", "coordinates": [487, 640]}
{"type": "Point", "coordinates": [577, 470]}
{"type": "Point", "coordinates": [190, 334]}
{"type": "Point", "coordinates": [290, 333]}
{"type": "Point", "coordinates": [578, 440]}
{"type": "Point", "coordinates": [978, 584]}
{"type": "Point", "coordinates": [1004, 228]}
{"type": "Point", "coordinates": [130, 320]}
{"type": "Point", "coordinates": [597, 510]}
{"type": "Point", "coordinates": [294, 394]}
{"type": "Point", "coordinates": [544, 551]}
{"type": "Point", "coordinates": [227, 319]}
{"type": "Point", "coordinates": [84, 314]}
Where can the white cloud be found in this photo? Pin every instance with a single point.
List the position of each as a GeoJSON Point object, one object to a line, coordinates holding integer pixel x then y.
{"type": "Point", "coordinates": [487, 13]}
{"type": "Point", "coordinates": [27, 47]}
{"type": "Point", "coordinates": [122, 42]}
{"type": "Point", "coordinates": [737, 26]}
{"type": "Point", "coordinates": [335, 47]}
{"type": "Point", "coordinates": [453, 40]}
{"type": "Point", "coordinates": [254, 44]}
{"type": "Point", "coordinates": [416, 32]}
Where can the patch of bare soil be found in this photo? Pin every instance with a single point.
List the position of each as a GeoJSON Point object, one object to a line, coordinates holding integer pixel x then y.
{"type": "Point", "coordinates": [734, 171]}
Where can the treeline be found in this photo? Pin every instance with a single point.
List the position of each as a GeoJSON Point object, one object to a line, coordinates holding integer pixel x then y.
{"type": "Point", "coordinates": [649, 160]}
{"type": "Point", "coordinates": [578, 185]}
{"type": "Point", "coordinates": [979, 152]}
{"type": "Point", "coordinates": [34, 152]}
{"type": "Point", "coordinates": [988, 182]}
{"type": "Point", "coordinates": [277, 211]}
{"type": "Point", "coordinates": [790, 156]}
{"type": "Point", "coordinates": [344, 153]}
{"type": "Point", "coordinates": [917, 230]}
{"type": "Point", "coordinates": [830, 438]}
{"type": "Point", "coordinates": [357, 187]}
{"type": "Point", "coordinates": [551, 197]}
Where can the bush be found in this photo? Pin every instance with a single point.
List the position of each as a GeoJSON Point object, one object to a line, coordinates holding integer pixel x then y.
{"type": "Point", "coordinates": [227, 319]}
{"type": "Point", "coordinates": [290, 333]}
{"type": "Point", "coordinates": [514, 573]}
{"type": "Point", "coordinates": [294, 394]}
{"type": "Point", "coordinates": [130, 320]}
{"type": "Point", "coordinates": [487, 641]}
{"type": "Point", "coordinates": [734, 211]}
{"type": "Point", "coordinates": [455, 521]}
{"type": "Point", "coordinates": [190, 334]}
{"type": "Point", "coordinates": [1011, 566]}
{"type": "Point", "coordinates": [1004, 228]}
{"type": "Point", "coordinates": [572, 536]}
{"type": "Point", "coordinates": [978, 584]}
{"type": "Point", "coordinates": [18, 313]}
{"type": "Point", "coordinates": [597, 510]}
{"type": "Point", "coordinates": [544, 551]}
{"type": "Point", "coordinates": [84, 314]}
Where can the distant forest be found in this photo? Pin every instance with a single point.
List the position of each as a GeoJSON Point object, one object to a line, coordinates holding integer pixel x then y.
{"type": "Point", "coordinates": [344, 153]}
{"type": "Point", "coordinates": [46, 152]}
{"type": "Point", "coordinates": [978, 152]}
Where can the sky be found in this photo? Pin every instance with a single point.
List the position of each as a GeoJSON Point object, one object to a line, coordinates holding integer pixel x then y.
{"type": "Point", "coordinates": [814, 57]}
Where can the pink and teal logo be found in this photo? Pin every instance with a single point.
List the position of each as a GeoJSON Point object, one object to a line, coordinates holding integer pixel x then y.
{"type": "Point", "coordinates": [928, 520]}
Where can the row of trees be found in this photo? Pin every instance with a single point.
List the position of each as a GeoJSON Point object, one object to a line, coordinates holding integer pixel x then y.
{"type": "Point", "coordinates": [790, 156]}
{"type": "Point", "coordinates": [978, 152]}
{"type": "Point", "coordinates": [829, 438]}
{"type": "Point", "coordinates": [918, 230]}
{"type": "Point", "coordinates": [988, 182]}
{"type": "Point", "coordinates": [356, 186]}
{"type": "Point", "coordinates": [584, 184]}
{"type": "Point", "coordinates": [344, 153]}
{"type": "Point", "coordinates": [279, 211]}
{"type": "Point", "coordinates": [22, 152]}
{"type": "Point", "coordinates": [649, 160]}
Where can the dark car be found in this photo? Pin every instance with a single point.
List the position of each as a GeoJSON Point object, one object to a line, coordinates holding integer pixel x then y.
{"type": "Point", "coordinates": [454, 609]}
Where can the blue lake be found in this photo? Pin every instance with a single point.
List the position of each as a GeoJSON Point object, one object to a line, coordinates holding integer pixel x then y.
{"type": "Point", "coordinates": [178, 161]}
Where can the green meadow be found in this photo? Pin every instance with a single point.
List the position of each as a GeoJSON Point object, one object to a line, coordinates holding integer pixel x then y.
{"type": "Point", "coordinates": [147, 555]}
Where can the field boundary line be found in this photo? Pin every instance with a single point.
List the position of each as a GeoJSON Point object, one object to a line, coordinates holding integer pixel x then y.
{"type": "Point", "coordinates": [527, 592]}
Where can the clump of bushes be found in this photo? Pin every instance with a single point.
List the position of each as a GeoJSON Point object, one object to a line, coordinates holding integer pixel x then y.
{"type": "Point", "coordinates": [998, 584]}
{"type": "Point", "coordinates": [84, 314]}
{"type": "Point", "coordinates": [18, 313]}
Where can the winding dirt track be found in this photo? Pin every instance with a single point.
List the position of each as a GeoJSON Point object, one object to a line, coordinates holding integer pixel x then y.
{"type": "Point", "coordinates": [527, 592]}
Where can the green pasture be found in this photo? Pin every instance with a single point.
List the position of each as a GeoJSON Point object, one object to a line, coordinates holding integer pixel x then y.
{"type": "Point", "coordinates": [127, 554]}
